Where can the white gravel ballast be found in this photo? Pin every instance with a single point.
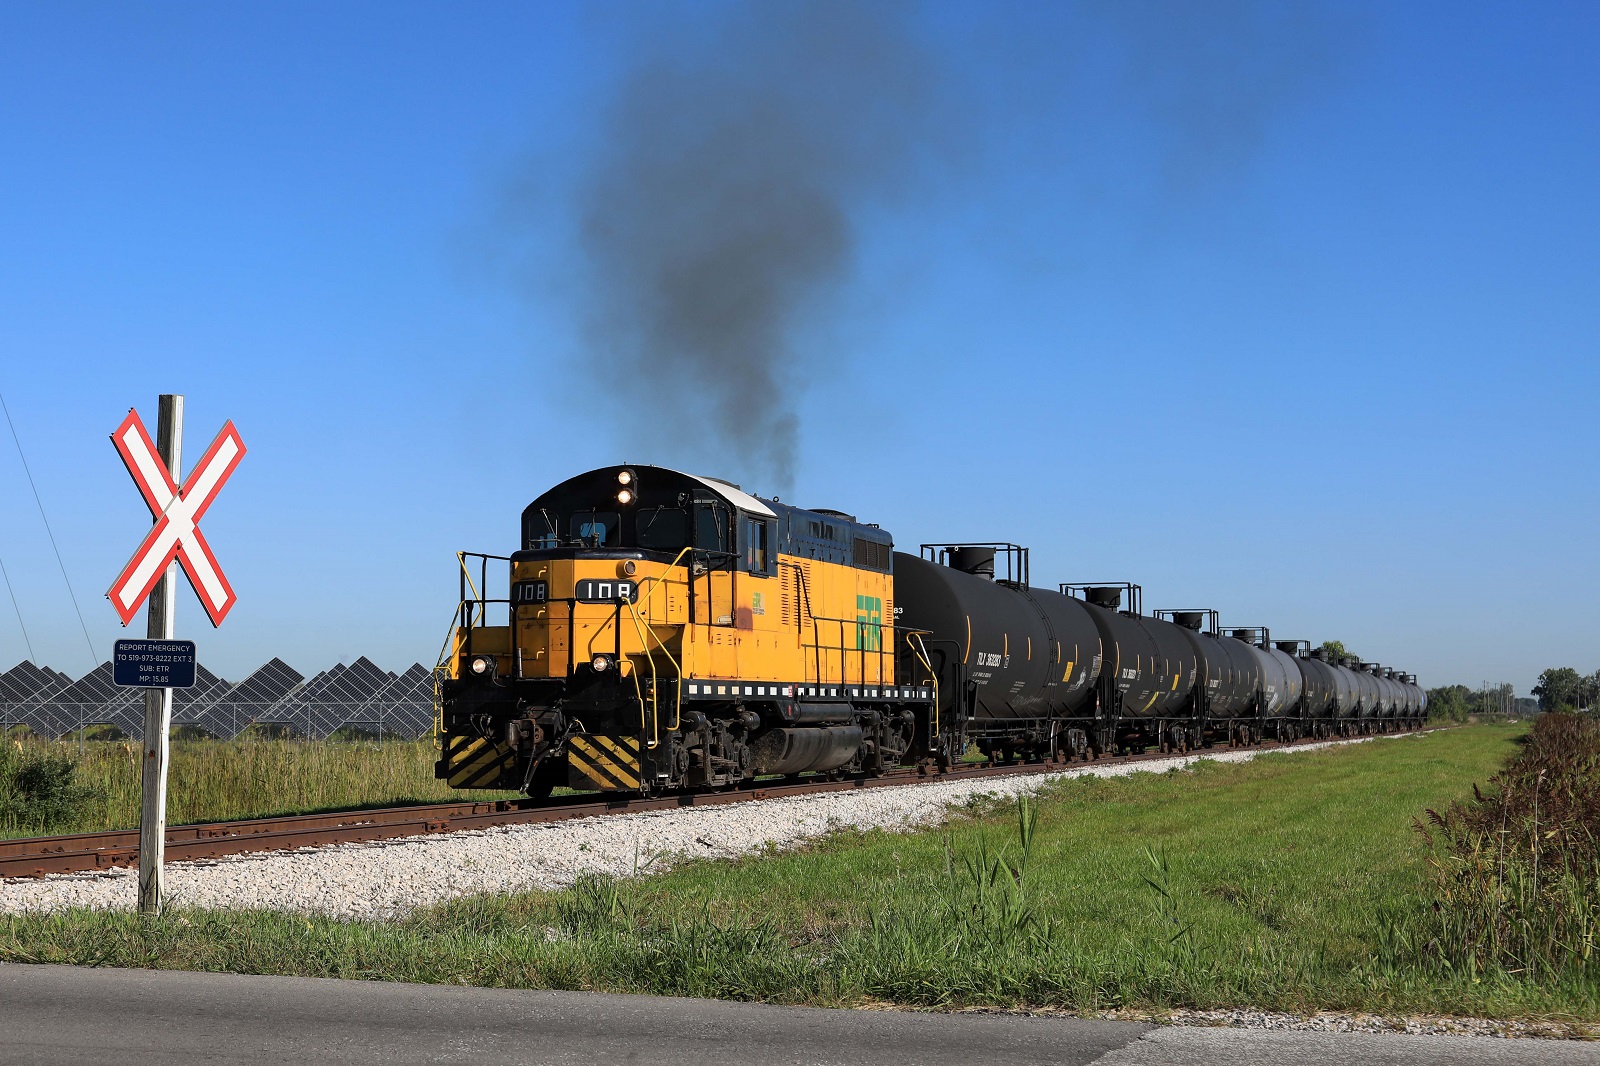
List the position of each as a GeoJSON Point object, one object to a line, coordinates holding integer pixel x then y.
{"type": "Point", "coordinates": [387, 878]}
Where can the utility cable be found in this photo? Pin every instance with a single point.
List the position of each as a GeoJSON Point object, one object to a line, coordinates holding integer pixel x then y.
{"type": "Point", "coordinates": [14, 605]}
{"type": "Point", "coordinates": [94, 659]}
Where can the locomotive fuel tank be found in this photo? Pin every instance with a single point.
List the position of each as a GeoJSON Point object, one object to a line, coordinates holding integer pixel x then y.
{"type": "Point", "coordinates": [1028, 652]}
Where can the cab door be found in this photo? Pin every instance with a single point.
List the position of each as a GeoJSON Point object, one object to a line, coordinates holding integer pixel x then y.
{"type": "Point", "coordinates": [715, 579]}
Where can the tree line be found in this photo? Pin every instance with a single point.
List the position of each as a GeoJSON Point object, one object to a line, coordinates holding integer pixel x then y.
{"type": "Point", "coordinates": [1457, 703]}
{"type": "Point", "coordinates": [1563, 688]}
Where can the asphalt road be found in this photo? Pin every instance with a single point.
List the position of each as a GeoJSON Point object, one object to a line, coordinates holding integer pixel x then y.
{"type": "Point", "coordinates": [62, 1014]}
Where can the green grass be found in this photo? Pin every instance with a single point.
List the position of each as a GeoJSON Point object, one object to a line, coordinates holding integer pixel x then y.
{"type": "Point", "coordinates": [224, 780]}
{"type": "Point", "coordinates": [1280, 883]}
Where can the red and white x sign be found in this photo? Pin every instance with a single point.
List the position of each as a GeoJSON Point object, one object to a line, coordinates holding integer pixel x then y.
{"type": "Point", "coordinates": [177, 512]}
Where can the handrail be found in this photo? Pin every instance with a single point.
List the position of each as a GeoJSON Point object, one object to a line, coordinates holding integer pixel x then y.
{"type": "Point", "coordinates": [655, 716]}
{"type": "Point", "coordinates": [927, 665]}
{"type": "Point", "coordinates": [859, 624]}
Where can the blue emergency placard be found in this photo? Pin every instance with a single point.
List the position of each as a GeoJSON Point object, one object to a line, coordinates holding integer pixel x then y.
{"type": "Point", "coordinates": [153, 663]}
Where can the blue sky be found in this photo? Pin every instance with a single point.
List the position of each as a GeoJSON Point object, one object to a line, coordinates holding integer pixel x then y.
{"type": "Point", "coordinates": [1289, 311]}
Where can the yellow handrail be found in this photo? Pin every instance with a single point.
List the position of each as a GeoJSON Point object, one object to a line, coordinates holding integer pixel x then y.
{"type": "Point", "coordinates": [922, 653]}
{"type": "Point", "coordinates": [444, 657]}
{"type": "Point", "coordinates": [644, 642]}
{"type": "Point", "coordinates": [461, 557]}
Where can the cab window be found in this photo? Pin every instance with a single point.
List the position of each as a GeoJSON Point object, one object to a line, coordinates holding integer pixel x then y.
{"type": "Point", "coordinates": [758, 546]}
{"type": "Point", "coordinates": [597, 529]}
{"type": "Point", "coordinates": [662, 528]}
{"type": "Point", "coordinates": [710, 530]}
{"type": "Point", "coordinates": [542, 531]}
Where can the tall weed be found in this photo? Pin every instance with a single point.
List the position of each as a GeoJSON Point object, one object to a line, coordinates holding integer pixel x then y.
{"type": "Point", "coordinates": [224, 780]}
{"type": "Point", "coordinates": [1516, 871]}
{"type": "Point", "coordinates": [39, 789]}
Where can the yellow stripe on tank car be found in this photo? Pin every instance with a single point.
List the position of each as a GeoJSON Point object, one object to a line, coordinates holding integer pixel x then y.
{"type": "Point", "coordinates": [1068, 675]}
{"type": "Point", "coordinates": [966, 657]}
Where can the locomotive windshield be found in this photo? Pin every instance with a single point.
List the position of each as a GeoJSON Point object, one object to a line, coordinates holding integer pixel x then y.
{"type": "Point", "coordinates": [662, 529]}
{"type": "Point", "coordinates": [540, 530]}
{"type": "Point", "coordinates": [596, 529]}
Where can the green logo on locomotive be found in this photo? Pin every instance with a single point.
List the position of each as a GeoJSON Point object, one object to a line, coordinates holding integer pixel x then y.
{"type": "Point", "coordinates": [869, 620]}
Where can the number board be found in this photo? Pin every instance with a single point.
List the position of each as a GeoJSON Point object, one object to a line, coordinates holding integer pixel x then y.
{"type": "Point", "coordinates": [153, 664]}
{"type": "Point", "coordinates": [590, 590]}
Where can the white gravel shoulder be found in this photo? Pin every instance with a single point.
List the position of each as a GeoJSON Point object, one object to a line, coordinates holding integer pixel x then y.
{"type": "Point", "coordinates": [388, 878]}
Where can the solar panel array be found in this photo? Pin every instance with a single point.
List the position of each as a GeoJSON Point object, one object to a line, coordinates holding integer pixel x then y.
{"type": "Point", "coordinates": [361, 696]}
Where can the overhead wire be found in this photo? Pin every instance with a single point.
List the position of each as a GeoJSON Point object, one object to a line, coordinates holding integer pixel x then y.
{"type": "Point", "coordinates": [17, 607]}
{"type": "Point", "coordinates": [94, 659]}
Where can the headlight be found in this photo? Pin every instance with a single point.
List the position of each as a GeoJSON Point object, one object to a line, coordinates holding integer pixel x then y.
{"type": "Point", "coordinates": [482, 665]}
{"type": "Point", "coordinates": [625, 496]}
{"type": "Point", "coordinates": [601, 663]}
{"type": "Point", "coordinates": [624, 477]}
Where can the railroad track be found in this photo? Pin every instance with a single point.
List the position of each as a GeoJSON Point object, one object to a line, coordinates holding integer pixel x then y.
{"type": "Point", "coordinates": [84, 852]}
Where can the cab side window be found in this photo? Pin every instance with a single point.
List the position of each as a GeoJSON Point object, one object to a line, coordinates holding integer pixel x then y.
{"type": "Point", "coordinates": [758, 551]}
{"type": "Point", "coordinates": [710, 533]}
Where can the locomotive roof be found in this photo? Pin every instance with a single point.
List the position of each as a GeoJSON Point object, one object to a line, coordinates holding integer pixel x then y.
{"type": "Point", "coordinates": [732, 493]}
{"type": "Point", "coordinates": [847, 526]}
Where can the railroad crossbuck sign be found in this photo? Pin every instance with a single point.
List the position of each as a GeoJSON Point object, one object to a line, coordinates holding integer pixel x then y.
{"type": "Point", "coordinates": [176, 533]}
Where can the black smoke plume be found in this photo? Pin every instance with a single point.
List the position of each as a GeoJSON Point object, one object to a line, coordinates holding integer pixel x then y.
{"type": "Point", "coordinates": [721, 208]}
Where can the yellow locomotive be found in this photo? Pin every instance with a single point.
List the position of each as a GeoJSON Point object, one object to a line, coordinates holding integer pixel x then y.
{"type": "Point", "coordinates": [664, 630]}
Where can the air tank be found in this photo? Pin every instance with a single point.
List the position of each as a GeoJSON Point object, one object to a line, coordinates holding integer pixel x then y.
{"type": "Point", "coordinates": [1028, 653]}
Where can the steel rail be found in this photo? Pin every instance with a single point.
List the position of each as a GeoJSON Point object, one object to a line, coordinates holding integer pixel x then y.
{"type": "Point", "coordinates": [31, 857]}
